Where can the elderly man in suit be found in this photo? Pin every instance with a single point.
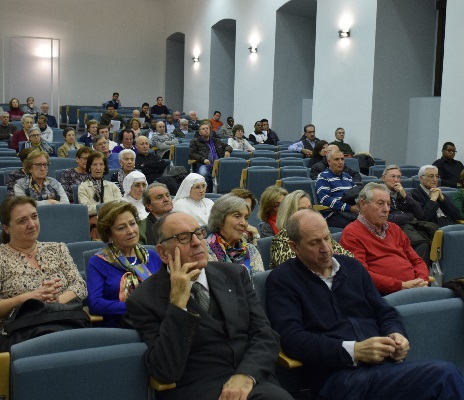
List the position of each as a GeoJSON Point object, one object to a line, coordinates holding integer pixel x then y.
{"type": "Point", "coordinates": [203, 324]}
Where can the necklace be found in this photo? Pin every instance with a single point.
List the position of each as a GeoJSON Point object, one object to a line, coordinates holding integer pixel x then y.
{"type": "Point", "coordinates": [28, 254]}
{"type": "Point", "coordinates": [201, 205]}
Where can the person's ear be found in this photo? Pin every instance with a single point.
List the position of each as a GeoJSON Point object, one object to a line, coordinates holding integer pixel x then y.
{"type": "Point", "coordinates": [162, 252]}
{"type": "Point", "coordinates": [5, 229]}
{"type": "Point", "coordinates": [293, 246]}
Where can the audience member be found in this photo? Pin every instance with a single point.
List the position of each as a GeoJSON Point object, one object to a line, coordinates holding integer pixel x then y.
{"type": "Point", "coordinates": [104, 130]}
{"type": "Point", "coordinates": [51, 120]}
{"type": "Point", "coordinates": [201, 367]}
{"type": "Point", "coordinates": [251, 234]}
{"type": "Point", "coordinates": [237, 141]}
{"type": "Point", "coordinates": [45, 131]}
{"type": "Point", "coordinates": [115, 102]}
{"type": "Point", "coordinates": [70, 143]}
{"type": "Point", "coordinates": [146, 114]}
{"type": "Point", "coordinates": [36, 142]}
{"type": "Point", "coordinates": [307, 142]}
{"type": "Point", "coordinates": [190, 198]}
{"type": "Point", "coordinates": [87, 138]}
{"type": "Point", "coordinates": [100, 143]}
{"type": "Point", "coordinates": [269, 204]}
{"type": "Point", "coordinates": [112, 115]}
{"type": "Point", "coordinates": [95, 190]}
{"type": "Point", "coordinates": [345, 148]}
{"type": "Point", "coordinates": [225, 132]}
{"type": "Point", "coordinates": [157, 201]}
{"type": "Point", "coordinates": [280, 247]}
{"type": "Point", "coordinates": [183, 129]}
{"type": "Point", "coordinates": [36, 184]}
{"type": "Point", "coordinates": [127, 140]}
{"type": "Point", "coordinates": [267, 130]}
{"type": "Point", "coordinates": [14, 110]}
{"type": "Point", "coordinates": [204, 150]}
{"type": "Point", "coordinates": [449, 169]}
{"type": "Point", "coordinates": [382, 247]}
{"type": "Point", "coordinates": [458, 197]}
{"type": "Point", "coordinates": [162, 140]}
{"type": "Point", "coordinates": [407, 213]}
{"type": "Point", "coordinates": [260, 137]}
{"type": "Point", "coordinates": [331, 186]}
{"type": "Point", "coordinates": [149, 163]}
{"type": "Point", "coordinates": [438, 208]}
{"type": "Point", "coordinates": [135, 126]}
{"type": "Point", "coordinates": [30, 108]}
{"type": "Point", "coordinates": [322, 165]}
{"type": "Point", "coordinates": [6, 128]}
{"type": "Point", "coordinates": [134, 184]}
{"type": "Point", "coordinates": [32, 269]}
{"type": "Point", "coordinates": [319, 154]}
{"type": "Point", "coordinates": [151, 131]}
{"type": "Point", "coordinates": [227, 223]}
{"type": "Point", "coordinates": [194, 124]}
{"type": "Point", "coordinates": [27, 122]}
{"type": "Point", "coordinates": [215, 121]}
{"type": "Point", "coordinates": [330, 316]}
{"type": "Point", "coordinates": [176, 118]}
{"type": "Point", "coordinates": [169, 124]}
{"type": "Point", "coordinates": [115, 271]}
{"type": "Point", "coordinates": [159, 108]}
{"type": "Point", "coordinates": [77, 175]}
{"type": "Point", "coordinates": [17, 173]}
{"type": "Point", "coordinates": [127, 163]}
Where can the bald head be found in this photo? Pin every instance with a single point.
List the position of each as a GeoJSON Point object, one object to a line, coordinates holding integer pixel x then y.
{"type": "Point", "coordinates": [142, 144]}
{"type": "Point", "coordinates": [331, 148]}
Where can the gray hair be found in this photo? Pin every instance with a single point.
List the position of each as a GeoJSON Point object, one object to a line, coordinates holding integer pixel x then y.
{"type": "Point", "coordinates": [224, 206]}
{"type": "Point", "coordinates": [5, 114]}
{"type": "Point", "coordinates": [98, 137]}
{"type": "Point", "coordinates": [183, 121]}
{"type": "Point", "coordinates": [331, 153]}
{"type": "Point", "coordinates": [23, 118]}
{"type": "Point", "coordinates": [366, 192]}
{"type": "Point", "coordinates": [140, 137]}
{"type": "Point", "coordinates": [424, 168]}
{"type": "Point", "coordinates": [146, 192]}
{"type": "Point", "coordinates": [390, 167]}
{"type": "Point", "coordinates": [122, 153]}
{"type": "Point", "coordinates": [34, 128]}
{"type": "Point", "coordinates": [289, 206]}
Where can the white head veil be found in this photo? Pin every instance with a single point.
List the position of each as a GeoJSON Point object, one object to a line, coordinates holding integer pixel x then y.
{"type": "Point", "coordinates": [130, 179]}
{"type": "Point", "coordinates": [187, 184]}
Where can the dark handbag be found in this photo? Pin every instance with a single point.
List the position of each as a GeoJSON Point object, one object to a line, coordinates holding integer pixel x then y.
{"type": "Point", "coordinates": [35, 318]}
{"type": "Point", "coordinates": [352, 194]}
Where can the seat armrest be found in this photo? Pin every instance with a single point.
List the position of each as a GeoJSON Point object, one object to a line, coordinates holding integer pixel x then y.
{"type": "Point", "coordinates": [288, 362]}
{"type": "Point", "coordinates": [160, 387]}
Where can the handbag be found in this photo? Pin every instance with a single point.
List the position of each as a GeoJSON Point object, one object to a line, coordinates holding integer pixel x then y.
{"type": "Point", "coordinates": [35, 318]}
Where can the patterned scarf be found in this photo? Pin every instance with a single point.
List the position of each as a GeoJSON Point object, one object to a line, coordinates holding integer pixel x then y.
{"type": "Point", "coordinates": [44, 192]}
{"type": "Point", "coordinates": [226, 253]}
{"type": "Point", "coordinates": [121, 176]}
{"type": "Point", "coordinates": [43, 146]}
{"type": "Point", "coordinates": [98, 187]}
{"type": "Point", "coordinates": [113, 256]}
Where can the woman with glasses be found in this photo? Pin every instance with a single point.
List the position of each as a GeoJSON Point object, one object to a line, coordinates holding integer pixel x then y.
{"type": "Point", "coordinates": [134, 185]}
{"type": "Point", "coordinates": [37, 185]}
{"type": "Point", "coordinates": [280, 249]}
{"type": "Point", "coordinates": [116, 270]}
{"type": "Point", "coordinates": [237, 141]}
{"type": "Point", "coordinates": [268, 207]}
{"type": "Point", "coordinates": [190, 198]}
{"type": "Point", "coordinates": [228, 222]}
{"type": "Point", "coordinates": [70, 143]}
{"type": "Point", "coordinates": [36, 142]}
{"type": "Point", "coordinates": [77, 175]}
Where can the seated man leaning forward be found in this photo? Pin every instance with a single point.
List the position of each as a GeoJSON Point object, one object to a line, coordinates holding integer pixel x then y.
{"type": "Point", "coordinates": [203, 324]}
{"type": "Point", "coordinates": [381, 246]}
{"type": "Point", "coordinates": [331, 317]}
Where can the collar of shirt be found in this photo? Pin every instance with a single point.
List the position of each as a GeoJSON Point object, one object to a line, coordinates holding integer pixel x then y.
{"type": "Point", "coordinates": [425, 189]}
{"type": "Point", "coordinates": [329, 280]}
{"type": "Point", "coordinates": [379, 232]}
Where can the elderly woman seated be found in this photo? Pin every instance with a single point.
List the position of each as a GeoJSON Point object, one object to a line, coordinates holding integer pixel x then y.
{"type": "Point", "coordinates": [238, 142]}
{"type": "Point", "coordinates": [76, 175]}
{"type": "Point", "coordinates": [134, 185]}
{"type": "Point", "coordinates": [280, 249]}
{"type": "Point", "coordinates": [116, 270]}
{"type": "Point", "coordinates": [31, 269]}
{"type": "Point", "coordinates": [191, 200]}
{"type": "Point", "coordinates": [251, 233]}
{"type": "Point", "coordinates": [37, 184]}
{"type": "Point", "coordinates": [127, 163]}
{"type": "Point", "coordinates": [37, 143]}
{"type": "Point", "coordinates": [228, 222]}
{"type": "Point", "coordinates": [70, 143]}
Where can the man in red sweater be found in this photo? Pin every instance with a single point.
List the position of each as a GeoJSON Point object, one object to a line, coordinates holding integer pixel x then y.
{"type": "Point", "coordinates": [381, 246]}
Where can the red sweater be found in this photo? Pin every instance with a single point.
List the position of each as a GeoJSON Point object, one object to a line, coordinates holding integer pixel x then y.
{"type": "Point", "coordinates": [390, 261]}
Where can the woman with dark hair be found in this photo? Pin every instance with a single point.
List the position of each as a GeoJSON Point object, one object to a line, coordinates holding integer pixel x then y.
{"type": "Point", "coordinates": [228, 222]}
{"type": "Point", "coordinates": [319, 152]}
{"type": "Point", "coordinates": [251, 233]}
{"type": "Point", "coordinates": [268, 206]}
{"type": "Point", "coordinates": [116, 270]}
{"type": "Point", "coordinates": [238, 142]}
{"type": "Point", "coordinates": [30, 108]}
{"type": "Point", "coordinates": [76, 175]}
{"type": "Point", "coordinates": [14, 111]}
{"type": "Point", "coordinates": [70, 143]}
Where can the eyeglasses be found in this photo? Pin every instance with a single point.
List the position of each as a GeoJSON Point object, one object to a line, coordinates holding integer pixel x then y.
{"type": "Point", "coordinates": [186, 237]}
{"type": "Point", "coordinates": [41, 165]}
{"type": "Point", "coordinates": [199, 187]}
{"type": "Point", "coordinates": [394, 176]}
{"type": "Point", "coordinates": [101, 144]}
{"type": "Point", "coordinates": [34, 135]}
{"type": "Point", "coordinates": [84, 158]}
{"type": "Point", "coordinates": [432, 176]}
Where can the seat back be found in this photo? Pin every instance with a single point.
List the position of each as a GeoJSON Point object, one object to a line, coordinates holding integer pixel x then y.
{"type": "Point", "coordinates": [241, 154]}
{"type": "Point", "coordinates": [264, 248]}
{"type": "Point", "coordinates": [8, 162]}
{"type": "Point", "coordinates": [5, 173]}
{"type": "Point", "coordinates": [257, 179]}
{"type": "Point", "coordinates": [451, 258]}
{"type": "Point", "coordinates": [336, 236]}
{"type": "Point", "coordinates": [292, 162]}
{"type": "Point", "coordinates": [57, 135]}
{"type": "Point", "coordinates": [72, 153]}
{"type": "Point", "coordinates": [287, 153]}
{"type": "Point", "coordinates": [409, 171]}
{"type": "Point", "coordinates": [265, 147]}
{"type": "Point", "coordinates": [7, 152]}
{"type": "Point", "coordinates": [3, 193]}
{"type": "Point", "coordinates": [297, 183]}
{"type": "Point", "coordinates": [77, 250]}
{"type": "Point", "coordinates": [181, 156]}
{"type": "Point", "coordinates": [66, 223]}
{"type": "Point", "coordinates": [259, 282]}
{"type": "Point", "coordinates": [293, 171]}
{"type": "Point", "coordinates": [352, 163]}
{"type": "Point", "coordinates": [228, 173]}
{"type": "Point", "coordinates": [417, 295]}
{"type": "Point", "coordinates": [264, 153]}
{"type": "Point", "coordinates": [60, 163]}
{"type": "Point", "coordinates": [263, 161]}
{"type": "Point", "coordinates": [376, 170]}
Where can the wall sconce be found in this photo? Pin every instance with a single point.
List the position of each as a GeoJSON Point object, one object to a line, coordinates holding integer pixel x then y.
{"type": "Point", "coordinates": [196, 59]}
{"type": "Point", "coordinates": [253, 49]}
{"type": "Point", "coordinates": [344, 33]}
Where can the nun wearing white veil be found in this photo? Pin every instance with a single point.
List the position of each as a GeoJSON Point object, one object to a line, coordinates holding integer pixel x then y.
{"type": "Point", "coordinates": [191, 199]}
{"type": "Point", "coordinates": [133, 185]}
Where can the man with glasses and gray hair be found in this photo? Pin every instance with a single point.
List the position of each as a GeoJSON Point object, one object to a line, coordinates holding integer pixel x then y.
{"type": "Point", "coordinates": [204, 326]}
{"type": "Point", "coordinates": [438, 208]}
